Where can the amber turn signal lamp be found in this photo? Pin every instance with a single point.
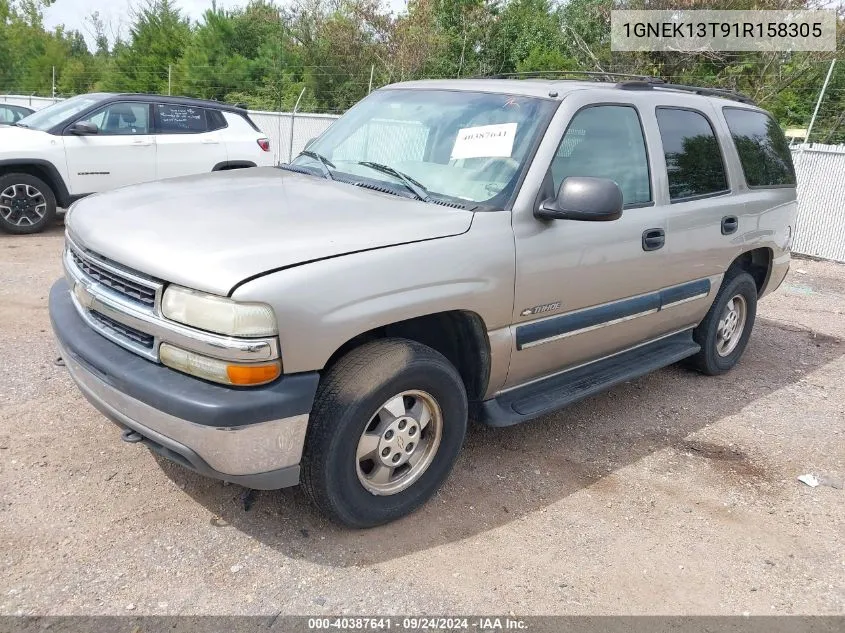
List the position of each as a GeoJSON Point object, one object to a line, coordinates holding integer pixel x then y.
{"type": "Point", "coordinates": [253, 374]}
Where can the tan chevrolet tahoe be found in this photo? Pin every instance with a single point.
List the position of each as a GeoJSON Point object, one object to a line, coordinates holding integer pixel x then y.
{"type": "Point", "coordinates": [448, 250]}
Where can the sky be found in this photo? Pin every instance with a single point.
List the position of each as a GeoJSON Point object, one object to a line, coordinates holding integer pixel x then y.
{"type": "Point", "coordinates": [116, 13]}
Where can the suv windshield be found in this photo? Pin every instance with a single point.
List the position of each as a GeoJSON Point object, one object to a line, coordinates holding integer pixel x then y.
{"type": "Point", "coordinates": [52, 115]}
{"type": "Point", "coordinates": [470, 147]}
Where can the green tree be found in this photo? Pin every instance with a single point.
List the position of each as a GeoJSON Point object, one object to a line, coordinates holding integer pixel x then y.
{"type": "Point", "coordinates": [157, 39]}
{"type": "Point", "coordinates": [264, 54]}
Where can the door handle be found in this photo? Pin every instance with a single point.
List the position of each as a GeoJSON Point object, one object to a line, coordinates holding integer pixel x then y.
{"type": "Point", "coordinates": [653, 239]}
{"type": "Point", "coordinates": [142, 143]}
{"type": "Point", "coordinates": [730, 223]}
{"type": "Point", "coordinates": [210, 141]}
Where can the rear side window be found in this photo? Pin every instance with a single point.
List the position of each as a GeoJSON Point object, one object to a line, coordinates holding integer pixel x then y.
{"type": "Point", "coordinates": [693, 157]}
{"type": "Point", "coordinates": [181, 119]}
{"type": "Point", "coordinates": [762, 148]}
{"type": "Point", "coordinates": [606, 141]}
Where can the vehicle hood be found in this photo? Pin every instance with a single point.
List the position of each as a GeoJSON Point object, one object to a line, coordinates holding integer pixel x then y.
{"type": "Point", "coordinates": [211, 232]}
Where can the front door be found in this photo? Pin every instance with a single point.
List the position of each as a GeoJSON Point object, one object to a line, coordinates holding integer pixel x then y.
{"type": "Point", "coordinates": [122, 152]}
{"type": "Point", "coordinates": [584, 289]}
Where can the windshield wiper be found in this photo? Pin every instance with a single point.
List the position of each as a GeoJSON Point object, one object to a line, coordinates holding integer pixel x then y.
{"type": "Point", "coordinates": [325, 163]}
{"type": "Point", "coordinates": [418, 190]}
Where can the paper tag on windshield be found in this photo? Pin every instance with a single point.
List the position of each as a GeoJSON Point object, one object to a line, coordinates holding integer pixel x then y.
{"type": "Point", "coordinates": [484, 141]}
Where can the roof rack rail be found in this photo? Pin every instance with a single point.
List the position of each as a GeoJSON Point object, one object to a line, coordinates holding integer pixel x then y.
{"type": "Point", "coordinates": [707, 92]}
{"type": "Point", "coordinates": [554, 74]}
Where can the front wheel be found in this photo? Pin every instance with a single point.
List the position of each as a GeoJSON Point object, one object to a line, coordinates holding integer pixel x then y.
{"type": "Point", "coordinates": [388, 422]}
{"type": "Point", "coordinates": [27, 204]}
{"type": "Point", "coordinates": [724, 332]}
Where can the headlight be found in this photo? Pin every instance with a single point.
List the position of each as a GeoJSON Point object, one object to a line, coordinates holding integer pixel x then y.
{"type": "Point", "coordinates": [218, 314]}
{"type": "Point", "coordinates": [218, 370]}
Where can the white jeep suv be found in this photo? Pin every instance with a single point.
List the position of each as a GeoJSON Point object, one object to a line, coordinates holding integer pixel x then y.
{"type": "Point", "coordinates": [97, 142]}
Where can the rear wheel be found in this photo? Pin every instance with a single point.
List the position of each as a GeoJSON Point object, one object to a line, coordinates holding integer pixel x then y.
{"type": "Point", "coordinates": [388, 422]}
{"type": "Point", "coordinates": [724, 332]}
{"type": "Point", "coordinates": [27, 204]}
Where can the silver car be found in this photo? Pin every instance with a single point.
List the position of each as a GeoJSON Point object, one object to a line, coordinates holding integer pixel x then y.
{"type": "Point", "coordinates": [486, 249]}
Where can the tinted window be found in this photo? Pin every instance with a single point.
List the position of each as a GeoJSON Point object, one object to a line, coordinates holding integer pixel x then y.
{"type": "Point", "coordinates": [762, 148]}
{"type": "Point", "coordinates": [11, 114]}
{"type": "Point", "coordinates": [121, 119]}
{"type": "Point", "coordinates": [7, 115]}
{"type": "Point", "coordinates": [693, 157]}
{"type": "Point", "coordinates": [216, 121]}
{"type": "Point", "coordinates": [180, 119]}
{"type": "Point", "coordinates": [606, 142]}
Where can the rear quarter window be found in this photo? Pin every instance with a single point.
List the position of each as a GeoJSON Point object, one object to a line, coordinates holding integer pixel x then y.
{"type": "Point", "coordinates": [216, 120]}
{"type": "Point", "coordinates": [763, 150]}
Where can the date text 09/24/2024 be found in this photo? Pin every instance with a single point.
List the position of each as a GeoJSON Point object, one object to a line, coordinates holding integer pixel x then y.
{"type": "Point", "coordinates": [480, 624]}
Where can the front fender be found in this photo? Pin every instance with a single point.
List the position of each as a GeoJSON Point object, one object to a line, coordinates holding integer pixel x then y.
{"type": "Point", "coordinates": [52, 173]}
{"type": "Point", "coordinates": [322, 305]}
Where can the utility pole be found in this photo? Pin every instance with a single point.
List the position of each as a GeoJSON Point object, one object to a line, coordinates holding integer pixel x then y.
{"type": "Point", "coordinates": [819, 102]}
{"type": "Point", "coordinates": [169, 69]}
{"type": "Point", "coordinates": [372, 70]}
{"type": "Point", "coordinates": [54, 83]}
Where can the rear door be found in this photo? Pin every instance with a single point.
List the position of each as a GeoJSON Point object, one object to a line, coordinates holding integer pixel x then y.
{"type": "Point", "coordinates": [123, 151]}
{"type": "Point", "coordinates": [702, 234]}
{"type": "Point", "coordinates": [185, 144]}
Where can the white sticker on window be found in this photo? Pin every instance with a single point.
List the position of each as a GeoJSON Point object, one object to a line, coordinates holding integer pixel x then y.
{"type": "Point", "coordinates": [484, 141]}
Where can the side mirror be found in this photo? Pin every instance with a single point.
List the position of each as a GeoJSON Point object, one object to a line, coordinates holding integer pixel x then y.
{"type": "Point", "coordinates": [84, 128]}
{"type": "Point", "coordinates": [583, 198]}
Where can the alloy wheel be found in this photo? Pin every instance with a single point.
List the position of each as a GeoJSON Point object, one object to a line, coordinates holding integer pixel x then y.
{"type": "Point", "coordinates": [22, 205]}
{"type": "Point", "coordinates": [731, 325]}
{"type": "Point", "coordinates": [399, 442]}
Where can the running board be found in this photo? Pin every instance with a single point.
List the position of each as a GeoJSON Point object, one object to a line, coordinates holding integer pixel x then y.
{"type": "Point", "coordinates": [538, 398]}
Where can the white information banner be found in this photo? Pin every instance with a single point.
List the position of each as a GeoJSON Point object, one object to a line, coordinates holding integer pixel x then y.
{"type": "Point", "coordinates": [484, 141]}
{"type": "Point", "coordinates": [685, 30]}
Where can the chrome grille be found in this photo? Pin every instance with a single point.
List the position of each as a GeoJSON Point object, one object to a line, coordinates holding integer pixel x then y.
{"type": "Point", "coordinates": [131, 290]}
{"type": "Point", "coordinates": [119, 329]}
{"type": "Point", "coordinates": [123, 306]}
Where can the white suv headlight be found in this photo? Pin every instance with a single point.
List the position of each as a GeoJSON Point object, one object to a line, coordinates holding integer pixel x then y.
{"type": "Point", "coordinates": [218, 314]}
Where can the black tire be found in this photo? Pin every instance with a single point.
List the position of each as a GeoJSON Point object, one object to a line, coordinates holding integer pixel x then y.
{"type": "Point", "coordinates": [348, 397]}
{"type": "Point", "coordinates": [709, 361]}
{"type": "Point", "coordinates": [39, 208]}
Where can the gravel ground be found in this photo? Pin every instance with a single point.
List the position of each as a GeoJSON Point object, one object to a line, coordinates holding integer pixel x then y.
{"type": "Point", "coordinates": [672, 494]}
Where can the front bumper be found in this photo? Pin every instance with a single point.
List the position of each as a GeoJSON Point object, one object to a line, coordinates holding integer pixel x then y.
{"type": "Point", "coordinates": [249, 436]}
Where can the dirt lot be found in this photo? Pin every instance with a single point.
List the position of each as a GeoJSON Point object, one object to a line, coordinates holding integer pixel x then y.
{"type": "Point", "coordinates": [675, 493]}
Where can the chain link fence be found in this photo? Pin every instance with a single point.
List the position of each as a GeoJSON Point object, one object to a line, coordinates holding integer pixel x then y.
{"type": "Point", "coordinates": [289, 132]}
{"type": "Point", "coordinates": [820, 227]}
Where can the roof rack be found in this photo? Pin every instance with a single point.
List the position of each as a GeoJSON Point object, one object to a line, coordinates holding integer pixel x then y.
{"type": "Point", "coordinates": [562, 74]}
{"type": "Point", "coordinates": [707, 92]}
{"type": "Point", "coordinates": [631, 82]}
